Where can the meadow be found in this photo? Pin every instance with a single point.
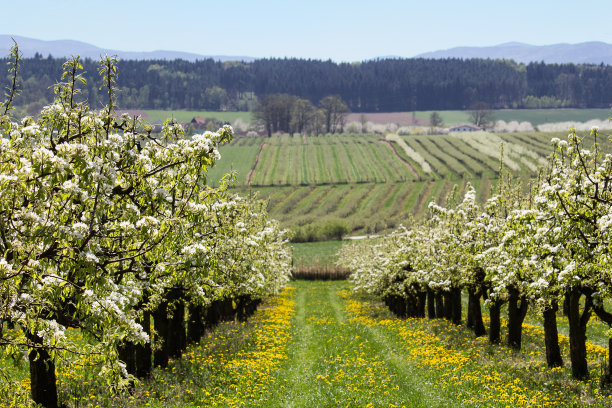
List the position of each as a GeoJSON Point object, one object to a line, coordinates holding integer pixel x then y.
{"type": "Point", "coordinates": [157, 115]}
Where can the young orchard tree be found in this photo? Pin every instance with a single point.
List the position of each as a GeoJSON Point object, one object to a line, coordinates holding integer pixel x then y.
{"type": "Point", "coordinates": [468, 227]}
{"type": "Point", "coordinates": [577, 192]}
{"type": "Point", "coordinates": [445, 274]}
{"type": "Point", "coordinates": [534, 244]}
{"type": "Point", "coordinates": [494, 220]}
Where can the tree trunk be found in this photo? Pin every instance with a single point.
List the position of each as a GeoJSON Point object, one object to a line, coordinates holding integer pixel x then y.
{"type": "Point", "coordinates": [517, 310]}
{"type": "Point", "coordinates": [608, 375]}
{"type": "Point", "coordinates": [421, 304]}
{"type": "Point", "coordinates": [143, 351]}
{"type": "Point", "coordinates": [495, 322]}
{"type": "Point", "coordinates": [412, 305]}
{"type": "Point", "coordinates": [43, 383]}
{"type": "Point", "coordinates": [439, 305]}
{"type": "Point", "coordinates": [566, 304]}
{"type": "Point", "coordinates": [253, 306]}
{"type": "Point", "coordinates": [212, 315]}
{"type": "Point", "coordinates": [598, 308]}
{"type": "Point", "coordinates": [397, 305]}
{"type": "Point", "coordinates": [469, 320]}
{"type": "Point", "coordinates": [431, 304]}
{"type": "Point", "coordinates": [475, 313]}
{"type": "Point", "coordinates": [577, 334]}
{"type": "Point", "coordinates": [127, 354]}
{"type": "Point", "coordinates": [241, 312]}
{"type": "Point", "coordinates": [228, 313]}
{"type": "Point", "coordinates": [160, 320]}
{"type": "Point", "coordinates": [195, 324]}
{"type": "Point", "coordinates": [455, 297]}
{"type": "Point", "coordinates": [448, 306]}
{"type": "Point", "coordinates": [402, 306]}
{"type": "Point", "coordinates": [551, 336]}
{"type": "Point", "coordinates": [176, 330]}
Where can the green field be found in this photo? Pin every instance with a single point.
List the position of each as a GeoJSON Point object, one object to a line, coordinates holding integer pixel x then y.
{"type": "Point", "coordinates": [238, 159]}
{"type": "Point", "coordinates": [371, 183]}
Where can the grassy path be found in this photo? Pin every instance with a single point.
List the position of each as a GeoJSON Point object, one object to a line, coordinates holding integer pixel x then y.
{"type": "Point", "coordinates": [335, 362]}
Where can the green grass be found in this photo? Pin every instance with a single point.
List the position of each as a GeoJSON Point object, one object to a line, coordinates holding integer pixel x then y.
{"type": "Point", "coordinates": [540, 116]}
{"type": "Point", "coordinates": [346, 350]}
{"type": "Point", "coordinates": [324, 253]}
{"type": "Point", "coordinates": [239, 159]}
{"type": "Point", "coordinates": [450, 118]}
{"type": "Point", "coordinates": [186, 116]}
{"type": "Point", "coordinates": [287, 160]}
{"type": "Point", "coordinates": [335, 363]}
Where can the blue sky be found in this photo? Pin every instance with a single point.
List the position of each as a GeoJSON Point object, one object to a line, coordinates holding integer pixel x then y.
{"type": "Point", "coordinates": [340, 30]}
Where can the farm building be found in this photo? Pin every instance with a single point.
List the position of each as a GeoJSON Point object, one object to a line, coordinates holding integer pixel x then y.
{"type": "Point", "coordinates": [464, 128]}
{"type": "Point", "coordinates": [198, 123]}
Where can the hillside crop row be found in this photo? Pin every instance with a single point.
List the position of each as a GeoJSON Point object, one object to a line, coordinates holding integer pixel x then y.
{"type": "Point", "coordinates": [371, 183]}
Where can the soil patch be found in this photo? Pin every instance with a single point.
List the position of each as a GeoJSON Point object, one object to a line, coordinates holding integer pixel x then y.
{"type": "Point", "coordinates": [250, 175]}
{"type": "Point", "coordinates": [407, 163]}
{"type": "Point", "coordinates": [399, 118]}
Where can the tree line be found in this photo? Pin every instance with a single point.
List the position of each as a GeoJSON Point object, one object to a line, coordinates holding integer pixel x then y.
{"type": "Point", "coordinates": [290, 114]}
{"type": "Point", "coordinates": [385, 85]}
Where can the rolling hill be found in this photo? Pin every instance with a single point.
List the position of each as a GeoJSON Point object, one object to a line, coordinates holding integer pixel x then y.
{"type": "Point", "coordinates": [584, 53]}
{"type": "Point", "coordinates": [66, 48]}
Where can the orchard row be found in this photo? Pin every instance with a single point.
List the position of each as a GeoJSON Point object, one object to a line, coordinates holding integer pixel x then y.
{"type": "Point", "coordinates": [543, 245]}
{"type": "Point", "coordinates": [104, 224]}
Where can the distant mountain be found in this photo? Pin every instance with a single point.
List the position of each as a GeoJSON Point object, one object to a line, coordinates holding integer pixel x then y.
{"type": "Point", "coordinates": [583, 53]}
{"type": "Point", "coordinates": [66, 48]}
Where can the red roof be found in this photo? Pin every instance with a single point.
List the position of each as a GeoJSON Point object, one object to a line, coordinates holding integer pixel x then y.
{"type": "Point", "coordinates": [199, 121]}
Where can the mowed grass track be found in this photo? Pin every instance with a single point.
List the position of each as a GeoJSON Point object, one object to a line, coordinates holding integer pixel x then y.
{"type": "Point", "coordinates": [333, 362]}
{"type": "Point", "coordinates": [370, 182]}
